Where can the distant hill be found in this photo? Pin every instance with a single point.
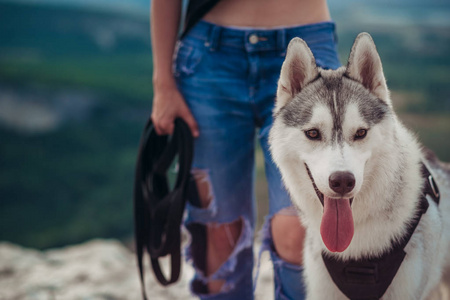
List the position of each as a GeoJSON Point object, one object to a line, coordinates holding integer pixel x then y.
{"type": "Point", "coordinates": [42, 30]}
{"type": "Point", "coordinates": [76, 89]}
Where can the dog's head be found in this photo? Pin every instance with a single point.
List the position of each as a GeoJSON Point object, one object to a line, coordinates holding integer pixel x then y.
{"type": "Point", "coordinates": [328, 126]}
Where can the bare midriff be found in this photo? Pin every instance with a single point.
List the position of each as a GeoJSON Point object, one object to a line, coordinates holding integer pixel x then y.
{"type": "Point", "coordinates": [268, 13]}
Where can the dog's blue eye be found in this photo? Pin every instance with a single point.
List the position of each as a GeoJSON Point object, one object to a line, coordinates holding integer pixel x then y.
{"type": "Point", "coordinates": [313, 134]}
{"type": "Point", "coordinates": [360, 134]}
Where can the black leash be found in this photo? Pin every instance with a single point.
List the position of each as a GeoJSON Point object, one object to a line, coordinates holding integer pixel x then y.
{"type": "Point", "coordinates": [369, 278]}
{"type": "Point", "coordinates": [158, 211]}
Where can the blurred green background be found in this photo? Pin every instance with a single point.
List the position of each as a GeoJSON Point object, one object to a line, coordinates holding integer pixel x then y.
{"type": "Point", "coordinates": [75, 91]}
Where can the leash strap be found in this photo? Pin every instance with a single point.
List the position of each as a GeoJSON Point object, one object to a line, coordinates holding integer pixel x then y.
{"type": "Point", "coordinates": [369, 278]}
{"type": "Point", "coordinates": [158, 211]}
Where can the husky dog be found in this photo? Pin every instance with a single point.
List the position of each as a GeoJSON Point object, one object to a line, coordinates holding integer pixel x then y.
{"type": "Point", "coordinates": [354, 172]}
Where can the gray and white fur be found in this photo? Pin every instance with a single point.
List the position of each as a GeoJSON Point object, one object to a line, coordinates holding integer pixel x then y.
{"type": "Point", "coordinates": [385, 164]}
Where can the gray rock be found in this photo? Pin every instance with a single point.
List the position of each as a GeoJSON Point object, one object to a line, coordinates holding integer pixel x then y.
{"type": "Point", "coordinates": [95, 270]}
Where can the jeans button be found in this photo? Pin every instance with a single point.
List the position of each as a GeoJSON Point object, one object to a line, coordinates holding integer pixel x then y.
{"type": "Point", "coordinates": [253, 39]}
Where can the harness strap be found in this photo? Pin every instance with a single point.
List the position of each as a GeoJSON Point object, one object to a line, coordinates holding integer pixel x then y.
{"type": "Point", "coordinates": [369, 278]}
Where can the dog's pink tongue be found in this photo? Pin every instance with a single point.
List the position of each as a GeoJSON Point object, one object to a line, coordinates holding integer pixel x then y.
{"type": "Point", "coordinates": [337, 224]}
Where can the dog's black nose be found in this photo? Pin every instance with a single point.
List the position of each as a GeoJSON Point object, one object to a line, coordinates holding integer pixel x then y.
{"type": "Point", "coordinates": [342, 182]}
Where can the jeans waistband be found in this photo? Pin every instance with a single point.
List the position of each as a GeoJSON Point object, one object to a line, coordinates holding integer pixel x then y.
{"type": "Point", "coordinates": [256, 39]}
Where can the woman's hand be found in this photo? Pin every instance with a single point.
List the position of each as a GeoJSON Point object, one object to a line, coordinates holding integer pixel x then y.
{"type": "Point", "coordinates": [169, 104]}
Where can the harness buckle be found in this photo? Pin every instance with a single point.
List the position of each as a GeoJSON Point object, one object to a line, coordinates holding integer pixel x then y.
{"type": "Point", "coordinates": [434, 187]}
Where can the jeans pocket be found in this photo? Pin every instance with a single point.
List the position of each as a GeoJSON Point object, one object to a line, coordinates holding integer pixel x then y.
{"type": "Point", "coordinates": [187, 59]}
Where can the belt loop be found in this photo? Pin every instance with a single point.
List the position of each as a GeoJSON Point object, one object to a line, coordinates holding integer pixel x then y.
{"type": "Point", "coordinates": [281, 40]}
{"type": "Point", "coordinates": [214, 38]}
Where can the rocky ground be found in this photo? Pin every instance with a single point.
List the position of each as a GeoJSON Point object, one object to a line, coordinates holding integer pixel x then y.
{"type": "Point", "coordinates": [103, 270]}
{"type": "Point", "coordinates": [95, 270]}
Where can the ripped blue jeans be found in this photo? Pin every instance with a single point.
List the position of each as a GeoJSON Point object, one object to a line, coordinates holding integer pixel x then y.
{"type": "Point", "coordinates": [228, 77]}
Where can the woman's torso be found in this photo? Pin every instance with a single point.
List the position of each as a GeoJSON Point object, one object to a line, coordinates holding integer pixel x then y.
{"type": "Point", "coordinates": [268, 13]}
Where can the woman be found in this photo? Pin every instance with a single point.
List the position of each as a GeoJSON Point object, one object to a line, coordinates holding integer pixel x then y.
{"type": "Point", "coordinates": [223, 85]}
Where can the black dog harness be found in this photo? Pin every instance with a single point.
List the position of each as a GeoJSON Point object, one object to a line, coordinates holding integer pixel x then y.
{"type": "Point", "coordinates": [158, 210]}
{"type": "Point", "coordinates": [369, 278]}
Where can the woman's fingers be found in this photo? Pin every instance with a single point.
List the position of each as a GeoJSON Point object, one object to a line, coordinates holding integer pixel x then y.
{"type": "Point", "coordinates": [167, 126]}
{"type": "Point", "coordinates": [163, 126]}
{"type": "Point", "coordinates": [167, 106]}
{"type": "Point", "coordinates": [190, 121]}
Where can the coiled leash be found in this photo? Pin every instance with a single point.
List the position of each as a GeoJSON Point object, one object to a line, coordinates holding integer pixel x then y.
{"type": "Point", "coordinates": [158, 211]}
{"type": "Point", "coordinates": [369, 278]}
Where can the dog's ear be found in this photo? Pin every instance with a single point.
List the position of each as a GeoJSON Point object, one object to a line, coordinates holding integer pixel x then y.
{"type": "Point", "coordinates": [364, 66]}
{"type": "Point", "coordinates": [298, 69]}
